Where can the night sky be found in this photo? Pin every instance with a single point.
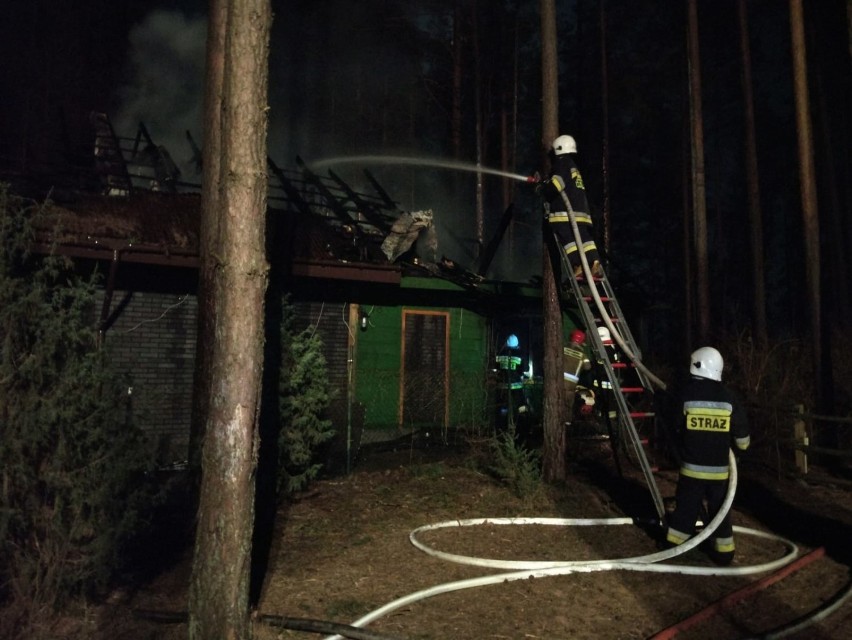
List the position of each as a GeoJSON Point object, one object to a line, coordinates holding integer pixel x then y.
{"type": "Point", "coordinates": [369, 77]}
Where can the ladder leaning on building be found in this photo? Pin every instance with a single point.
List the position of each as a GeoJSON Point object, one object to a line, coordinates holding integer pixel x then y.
{"type": "Point", "coordinates": [629, 382]}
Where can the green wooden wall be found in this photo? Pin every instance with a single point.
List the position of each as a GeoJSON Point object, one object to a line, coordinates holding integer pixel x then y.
{"type": "Point", "coordinates": [379, 367]}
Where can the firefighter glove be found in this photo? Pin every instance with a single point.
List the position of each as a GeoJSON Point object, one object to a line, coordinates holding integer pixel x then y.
{"type": "Point", "coordinates": [557, 184]}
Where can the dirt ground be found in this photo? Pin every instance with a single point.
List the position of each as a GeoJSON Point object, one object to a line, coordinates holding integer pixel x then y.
{"type": "Point", "coordinates": [342, 550]}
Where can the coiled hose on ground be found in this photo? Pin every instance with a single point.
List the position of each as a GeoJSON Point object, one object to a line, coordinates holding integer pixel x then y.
{"type": "Point", "coordinates": [524, 569]}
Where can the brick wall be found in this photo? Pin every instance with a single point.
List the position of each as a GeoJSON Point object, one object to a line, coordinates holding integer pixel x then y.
{"type": "Point", "coordinates": [152, 343]}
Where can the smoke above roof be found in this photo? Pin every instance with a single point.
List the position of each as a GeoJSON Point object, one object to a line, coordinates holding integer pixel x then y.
{"type": "Point", "coordinates": [165, 84]}
{"type": "Point", "coordinates": [346, 90]}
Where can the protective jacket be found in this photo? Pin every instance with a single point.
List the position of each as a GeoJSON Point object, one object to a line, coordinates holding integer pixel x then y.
{"type": "Point", "coordinates": [567, 174]}
{"type": "Point", "coordinates": [713, 421]}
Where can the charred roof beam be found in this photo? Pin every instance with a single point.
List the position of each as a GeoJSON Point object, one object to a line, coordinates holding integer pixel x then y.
{"type": "Point", "coordinates": [292, 192]}
{"type": "Point", "coordinates": [333, 202]}
{"type": "Point", "coordinates": [373, 215]}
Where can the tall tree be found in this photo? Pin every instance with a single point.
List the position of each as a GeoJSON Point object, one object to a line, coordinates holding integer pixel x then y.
{"type": "Point", "coordinates": [605, 210]}
{"type": "Point", "coordinates": [479, 115]}
{"type": "Point", "coordinates": [209, 232]}
{"type": "Point", "coordinates": [849, 24]}
{"type": "Point", "coordinates": [553, 453]}
{"type": "Point", "coordinates": [699, 199]}
{"type": "Point", "coordinates": [807, 181]}
{"type": "Point", "coordinates": [236, 115]}
{"type": "Point", "coordinates": [456, 105]}
{"type": "Point", "coordinates": [755, 217]}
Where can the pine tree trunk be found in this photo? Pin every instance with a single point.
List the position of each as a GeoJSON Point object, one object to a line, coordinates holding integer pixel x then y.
{"type": "Point", "coordinates": [605, 212]}
{"type": "Point", "coordinates": [753, 180]}
{"type": "Point", "coordinates": [554, 449]}
{"type": "Point", "coordinates": [849, 24]}
{"type": "Point", "coordinates": [219, 589]}
{"type": "Point", "coordinates": [480, 135]}
{"type": "Point", "coordinates": [834, 215]}
{"type": "Point", "coordinates": [456, 110]}
{"type": "Point", "coordinates": [807, 180]}
{"type": "Point", "coordinates": [699, 201]}
{"type": "Point", "coordinates": [209, 232]}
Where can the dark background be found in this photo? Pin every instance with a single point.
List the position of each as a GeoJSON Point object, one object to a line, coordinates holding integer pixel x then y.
{"type": "Point", "coordinates": [370, 77]}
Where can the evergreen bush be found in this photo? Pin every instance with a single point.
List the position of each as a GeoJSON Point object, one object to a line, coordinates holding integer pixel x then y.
{"type": "Point", "coordinates": [305, 394]}
{"type": "Point", "coordinates": [515, 465]}
{"type": "Point", "coordinates": [76, 481]}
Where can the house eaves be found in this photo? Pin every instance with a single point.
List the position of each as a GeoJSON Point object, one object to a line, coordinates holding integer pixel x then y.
{"type": "Point", "coordinates": [358, 271]}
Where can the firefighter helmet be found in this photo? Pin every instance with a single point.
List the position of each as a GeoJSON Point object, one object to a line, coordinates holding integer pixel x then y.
{"type": "Point", "coordinates": [577, 337]}
{"type": "Point", "coordinates": [563, 145]}
{"type": "Point", "coordinates": [604, 335]}
{"type": "Point", "coordinates": [706, 362]}
{"type": "Point", "coordinates": [512, 341]}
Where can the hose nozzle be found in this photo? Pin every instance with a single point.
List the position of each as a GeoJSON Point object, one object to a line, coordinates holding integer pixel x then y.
{"type": "Point", "coordinates": [534, 178]}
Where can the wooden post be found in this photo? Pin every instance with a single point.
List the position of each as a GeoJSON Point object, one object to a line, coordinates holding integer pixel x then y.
{"type": "Point", "coordinates": [801, 437]}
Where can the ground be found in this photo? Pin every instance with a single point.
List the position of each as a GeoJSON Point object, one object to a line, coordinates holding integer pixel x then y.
{"type": "Point", "coordinates": [342, 549]}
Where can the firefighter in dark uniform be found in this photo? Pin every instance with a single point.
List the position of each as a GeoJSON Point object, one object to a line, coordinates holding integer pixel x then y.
{"type": "Point", "coordinates": [712, 422]}
{"type": "Point", "coordinates": [565, 176]}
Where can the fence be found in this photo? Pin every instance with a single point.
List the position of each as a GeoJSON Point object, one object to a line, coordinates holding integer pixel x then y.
{"type": "Point", "coordinates": [811, 428]}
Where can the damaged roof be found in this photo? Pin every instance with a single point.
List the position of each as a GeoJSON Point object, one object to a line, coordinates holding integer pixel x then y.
{"type": "Point", "coordinates": [131, 207]}
{"type": "Point", "coordinates": [149, 227]}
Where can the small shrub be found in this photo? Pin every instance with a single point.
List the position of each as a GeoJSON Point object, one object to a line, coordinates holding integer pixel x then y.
{"type": "Point", "coordinates": [304, 395]}
{"type": "Point", "coordinates": [514, 465]}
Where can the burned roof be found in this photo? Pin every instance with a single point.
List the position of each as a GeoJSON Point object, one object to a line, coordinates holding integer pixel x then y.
{"type": "Point", "coordinates": [164, 223]}
{"type": "Point", "coordinates": [131, 205]}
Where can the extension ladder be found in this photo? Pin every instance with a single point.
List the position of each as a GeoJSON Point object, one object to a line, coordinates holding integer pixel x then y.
{"type": "Point", "coordinates": [629, 386]}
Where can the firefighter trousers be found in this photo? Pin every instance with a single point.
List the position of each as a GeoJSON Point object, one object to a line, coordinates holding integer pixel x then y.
{"type": "Point", "coordinates": [702, 498]}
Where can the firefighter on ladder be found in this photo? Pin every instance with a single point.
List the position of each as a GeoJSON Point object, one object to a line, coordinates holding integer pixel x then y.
{"type": "Point", "coordinates": [602, 382]}
{"type": "Point", "coordinates": [565, 176]}
{"type": "Point", "coordinates": [712, 422]}
{"type": "Point", "coordinates": [574, 362]}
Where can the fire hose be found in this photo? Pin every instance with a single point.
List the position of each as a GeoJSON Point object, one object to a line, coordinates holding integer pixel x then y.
{"type": "Point", "coordinates": [524, 569]}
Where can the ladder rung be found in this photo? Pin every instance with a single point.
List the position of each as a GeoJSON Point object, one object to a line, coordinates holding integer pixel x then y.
{"type": "Point", "coordinates": [642, 414]}
{"type": "Point", "coordinates": [633, 389]}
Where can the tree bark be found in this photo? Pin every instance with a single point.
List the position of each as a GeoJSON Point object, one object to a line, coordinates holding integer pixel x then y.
{"type": "Point", "coordinates": [554, 448]}
{"type": "Point", "coordinates": [480, 130]}
{"type": "Point", "coordinates": [456, 109]}
{"type": "Point", "coordinates": [699, 200]}
{"type": "Point", "coordinates": [807, 180]}
{"type": "Point", "coordinates": [219, 589]}
{"type": "Point", "coordinates": [605, 212]}
{"type": "Point", "coordinates": [849, 24]}
{"type": "Point", "coordinates": [209, 232]}
{"type": "Point", "coordinates": [753, 181]}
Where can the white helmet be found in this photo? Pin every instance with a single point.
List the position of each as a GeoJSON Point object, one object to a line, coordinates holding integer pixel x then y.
{"type": "Point", "coordinates": [706, 362]}
{"type": "Point", "coordinates": [603, 334]}
{"type": "Point", "coordinates": [563, 145]}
